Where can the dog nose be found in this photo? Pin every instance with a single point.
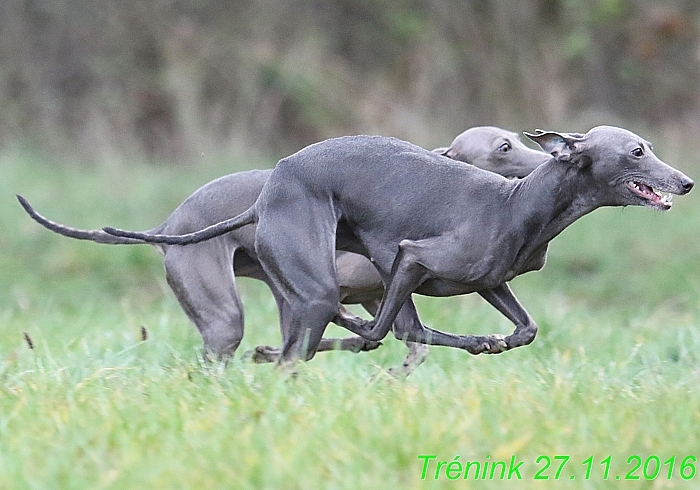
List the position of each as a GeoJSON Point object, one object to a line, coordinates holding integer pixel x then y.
{"type": "Point", "coordinates": [687, 184]}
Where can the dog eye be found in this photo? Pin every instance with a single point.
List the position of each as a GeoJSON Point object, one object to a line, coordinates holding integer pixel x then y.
{"type": "Point", "coordinates": [505, 147]}
{"type": "Point", "coordinates": [638, 152]}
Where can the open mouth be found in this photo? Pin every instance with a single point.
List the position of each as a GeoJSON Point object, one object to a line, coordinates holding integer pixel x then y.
{"type": "Point", "coordinates": [656, 199]}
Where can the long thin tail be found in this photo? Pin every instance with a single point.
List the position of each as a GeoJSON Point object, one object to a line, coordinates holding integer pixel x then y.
{"type": "Point", "coordinates": [247, 217]}
{"type": "Point", "coordinates": [98, 236]}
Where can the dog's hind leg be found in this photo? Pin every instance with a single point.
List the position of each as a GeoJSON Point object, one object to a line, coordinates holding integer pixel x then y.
{"type": "Point", "coordinates": [202, 278]}
{"type": "Point", "coordinates": [262, 354]}
{"type": "Point", "coordinates": [309, 321]}
{"type": "Point", "coordinates": [308, 282]}
{"type": "Point", "coordinates": [265, 353]}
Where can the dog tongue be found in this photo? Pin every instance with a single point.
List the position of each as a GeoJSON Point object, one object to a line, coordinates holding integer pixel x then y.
{"type": "Point", "coordinates": [649, 193]}
{"type": "Point", "coordinates": [646, 189]}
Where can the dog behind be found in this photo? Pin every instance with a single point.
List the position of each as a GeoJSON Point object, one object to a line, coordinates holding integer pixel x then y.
{"type": "Point", "coordinates": [202, 277]}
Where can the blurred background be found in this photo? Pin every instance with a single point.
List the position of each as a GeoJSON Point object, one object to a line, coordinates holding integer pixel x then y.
{"type": "Point", "coordinates": [167, 80]}
{"type": "Point", "coordinates": [113, 111]}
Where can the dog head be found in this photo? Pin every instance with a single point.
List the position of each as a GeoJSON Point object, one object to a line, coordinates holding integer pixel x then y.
{"type": "Point", "coordinates": [621, 164]}
{"type": "Point", "coordinates": [496, 150]}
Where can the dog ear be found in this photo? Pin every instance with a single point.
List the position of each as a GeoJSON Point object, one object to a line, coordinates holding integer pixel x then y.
{"type": "Point", "coordinates": [560, 145]}
{"type": "Point", "coordinates": [442, 150]}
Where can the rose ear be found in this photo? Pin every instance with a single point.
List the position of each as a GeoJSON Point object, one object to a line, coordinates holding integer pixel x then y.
{"type": "Point", "coordinates": [442, 150]}
{"type": "Point", "coordinates": [559, 145]}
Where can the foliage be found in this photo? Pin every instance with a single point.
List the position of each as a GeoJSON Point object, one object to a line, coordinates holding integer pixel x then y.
{"type": "Point", "coordinates": [174, 78]}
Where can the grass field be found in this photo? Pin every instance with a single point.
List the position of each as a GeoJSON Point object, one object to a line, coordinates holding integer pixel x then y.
{"type": "Point", "coordinates": [614, 371]}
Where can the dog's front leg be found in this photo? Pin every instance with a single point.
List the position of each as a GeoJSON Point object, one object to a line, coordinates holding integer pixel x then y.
{"type": "Point", "coordinates": [417, 352]}
{"type": "Point", "coordinates": [413, 331]}
{"type": "Point", "coordinates": [406, 275]}
{"type": "Point", "coordinates": [503, 299]}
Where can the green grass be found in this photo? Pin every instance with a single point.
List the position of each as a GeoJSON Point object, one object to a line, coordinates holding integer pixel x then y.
{"type": "Point", "coordinates": [614, 371]}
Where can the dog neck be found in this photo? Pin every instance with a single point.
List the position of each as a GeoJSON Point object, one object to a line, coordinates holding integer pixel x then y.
{"type": "Point", "coordinates": [547, 201]}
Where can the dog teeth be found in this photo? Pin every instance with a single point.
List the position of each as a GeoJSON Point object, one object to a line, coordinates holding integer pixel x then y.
{"type": "Point", "coordinates": [652, 194]}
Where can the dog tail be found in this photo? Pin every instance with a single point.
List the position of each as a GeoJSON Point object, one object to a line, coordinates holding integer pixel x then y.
{"type": "Point", "coordinates": [245, 218]}
{"type": "Point", "coordinates": [98, 236]}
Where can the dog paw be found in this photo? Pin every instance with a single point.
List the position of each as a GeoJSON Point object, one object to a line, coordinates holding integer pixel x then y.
{"type": "Point", "coordinates": [489, 344]}
{"type": "Point", "coordinates": [358, 344]}
{"type": "Point", "coordinates": [348, 320]}
{"type": "Point", "coordinates": [496, 344]}
{"type": "Point", "coordinates": [369, 345]}
{"type": "Point", "coordinates": [262, 354]}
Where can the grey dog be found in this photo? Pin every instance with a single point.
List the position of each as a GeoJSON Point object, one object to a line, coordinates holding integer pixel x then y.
{"type": "Point", "coordinates": [430, 226]}
{"type": "Point", "coordinates": [203, 276]}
